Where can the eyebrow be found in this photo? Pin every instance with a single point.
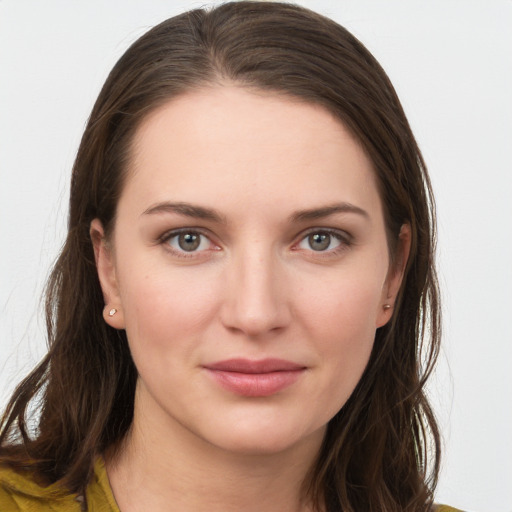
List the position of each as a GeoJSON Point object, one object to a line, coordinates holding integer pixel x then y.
{"type": "Point", "coordinates": [200, 212]}
{"type": "Point", "coordinates": [187, 210]}
{"type": "Point", "coordinates": [326, 211]}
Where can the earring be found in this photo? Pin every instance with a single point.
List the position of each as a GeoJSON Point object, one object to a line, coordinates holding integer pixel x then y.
{"type": "Point", "coordinates": [112, 312]}
{"type": "Point", "coordinates": [386, 306]}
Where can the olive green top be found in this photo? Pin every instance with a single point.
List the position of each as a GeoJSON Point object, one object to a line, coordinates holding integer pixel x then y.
{"type": "Point", "coordinates": [19, 493]}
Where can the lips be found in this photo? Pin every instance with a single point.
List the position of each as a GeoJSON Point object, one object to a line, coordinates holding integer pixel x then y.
{"type": "Point", "coordinates": [255, 378]}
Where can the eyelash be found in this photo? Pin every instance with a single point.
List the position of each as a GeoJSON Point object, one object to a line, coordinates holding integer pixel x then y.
{"type": "Point", "coordinates": [344, 239]}
{"type": "Point", "coordinates": [167, 237]}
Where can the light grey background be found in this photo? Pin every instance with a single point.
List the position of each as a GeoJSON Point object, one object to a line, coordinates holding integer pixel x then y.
{"type": "Point", "coordinates": [451, 63]}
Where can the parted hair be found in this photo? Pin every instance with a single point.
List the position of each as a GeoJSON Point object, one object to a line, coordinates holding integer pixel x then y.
{"type": "Point", "coordinates": [381, 450]}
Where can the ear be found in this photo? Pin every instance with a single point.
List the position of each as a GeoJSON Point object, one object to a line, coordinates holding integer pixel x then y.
{"type": "Point", "coordinates": [105, 265]}
{"type": "Point", "coordinates": [395, 276]}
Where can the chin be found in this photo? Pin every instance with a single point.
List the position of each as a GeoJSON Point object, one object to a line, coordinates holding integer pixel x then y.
{"type": "Point", "coordinates": [267, 440]}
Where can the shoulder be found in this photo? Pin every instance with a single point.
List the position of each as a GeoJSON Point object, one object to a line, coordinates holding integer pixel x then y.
{"type": "Point", "coordinates": [19, 492]}
{"type": "Point", "coordinates": [446, 508]}
{"type": "Point", "coordinates": [99, 493]}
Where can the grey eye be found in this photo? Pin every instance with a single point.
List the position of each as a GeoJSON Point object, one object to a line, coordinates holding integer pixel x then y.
{"type": "Point", "coordinates": [189, 241]}
{"type": "Point", "coordinates": [319, 241]}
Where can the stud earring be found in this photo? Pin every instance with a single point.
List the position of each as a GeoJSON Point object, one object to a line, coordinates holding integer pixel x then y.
{"type": "Point", "coordinates": [386, 306]}
{"type": "Point", "coordinates": [112, 312]}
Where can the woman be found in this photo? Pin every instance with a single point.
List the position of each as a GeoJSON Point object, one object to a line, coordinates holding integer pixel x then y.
{"type": "Point", "coordinates": [245, 311]}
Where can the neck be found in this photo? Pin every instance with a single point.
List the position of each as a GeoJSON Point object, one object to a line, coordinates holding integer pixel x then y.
{"type": "Point", "coordinates": [164, 467]}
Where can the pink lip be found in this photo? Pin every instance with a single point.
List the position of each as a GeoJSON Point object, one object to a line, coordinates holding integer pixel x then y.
{"type": "Point", "coordinates": [255, 378]}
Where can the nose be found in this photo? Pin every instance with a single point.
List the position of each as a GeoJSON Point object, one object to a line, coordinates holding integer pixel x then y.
{"type": "Point", "coordinates": [255, 301]}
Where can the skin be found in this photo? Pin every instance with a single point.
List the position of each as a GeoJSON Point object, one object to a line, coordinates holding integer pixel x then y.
{"type": "Point", "coordinates": [258, 286]}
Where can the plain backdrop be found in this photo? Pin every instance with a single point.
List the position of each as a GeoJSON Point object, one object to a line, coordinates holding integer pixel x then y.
{"type": "Point", "coordinates": [451, 63]}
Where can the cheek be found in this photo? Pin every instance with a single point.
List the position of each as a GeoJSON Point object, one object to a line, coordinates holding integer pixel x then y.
{"type": "Point", "coordinates": [347, 307]}
{"type": "Point", "coordinates": [348, 342]}
{"type": "Point", "coordinates": [166, 309]}
{"type": "Point", "coordinates": [342, 326]}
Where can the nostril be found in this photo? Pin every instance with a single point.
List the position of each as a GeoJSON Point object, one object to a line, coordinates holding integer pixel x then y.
{"type": "Point", "coordinates": [255, 322]}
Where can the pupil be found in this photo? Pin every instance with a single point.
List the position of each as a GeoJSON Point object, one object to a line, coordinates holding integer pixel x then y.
{"type": "Point", "coordinates": [319, 241]}
{"type": "Point", "coordinates": [189, 241]}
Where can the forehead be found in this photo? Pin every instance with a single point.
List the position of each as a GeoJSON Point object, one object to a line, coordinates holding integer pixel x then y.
{"type": "Point", "coordinates": [228, 143]}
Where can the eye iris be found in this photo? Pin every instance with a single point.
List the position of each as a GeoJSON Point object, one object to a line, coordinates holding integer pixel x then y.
{"type": "Point", "coordinates": [319, 241]}
{"type": "Point", "coordinates": [189, 241]}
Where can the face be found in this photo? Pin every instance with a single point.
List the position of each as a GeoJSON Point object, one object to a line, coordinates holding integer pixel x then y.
{"type": "Point", "coordinates": [249, 265]}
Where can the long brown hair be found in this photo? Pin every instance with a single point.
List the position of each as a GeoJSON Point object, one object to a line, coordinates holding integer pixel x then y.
{"type": "Point", "coordinates": [381, 451]}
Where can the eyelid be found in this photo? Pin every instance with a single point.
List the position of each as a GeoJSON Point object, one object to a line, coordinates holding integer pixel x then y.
{"type": "Point", "coordinates": [345, 238]}
{"type": "Point", "coordinates": [168, 235]}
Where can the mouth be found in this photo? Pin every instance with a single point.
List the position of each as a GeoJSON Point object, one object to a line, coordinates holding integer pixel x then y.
{"type": "Point", "coordinates": [253, 378]}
